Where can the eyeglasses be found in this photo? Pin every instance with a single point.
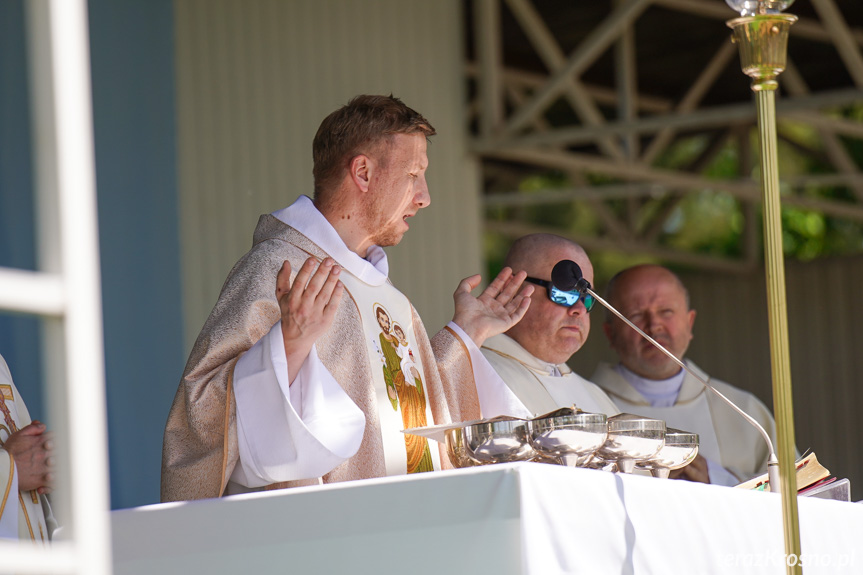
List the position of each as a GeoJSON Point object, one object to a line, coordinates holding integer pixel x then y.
{"type": "Point", "coordinates": [564, 298]}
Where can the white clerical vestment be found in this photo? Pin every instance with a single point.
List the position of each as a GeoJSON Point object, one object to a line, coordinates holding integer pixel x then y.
{"type": "Point", "coordinates": [325, 426]}
{"type": "Point", "coordinates": [21, 514]}
{"type": "Point", "coordinates": [541, 386]}
{"type": "Point", "coordinates": [724, 436]}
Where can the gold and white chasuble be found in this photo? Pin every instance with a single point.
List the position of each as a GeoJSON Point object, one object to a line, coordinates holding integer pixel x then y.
{"type": "Point", "coordinates": [237, 423]}
{"type": "Point", "coordinates": [397, 373]}
{"type": "Point", "coordinates": [21, 514]}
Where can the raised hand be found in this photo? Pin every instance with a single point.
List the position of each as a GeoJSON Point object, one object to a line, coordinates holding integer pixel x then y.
{"type": "Point", "coordinates": [32, 450]}
{"type": "Point", "coordinates": [499, 307]}
{"type": "Point", "coordinates": [308, 307]}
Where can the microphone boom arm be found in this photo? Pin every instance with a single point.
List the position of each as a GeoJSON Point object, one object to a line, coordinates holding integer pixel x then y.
{"type": "Point", "coordinates": [772, 461]}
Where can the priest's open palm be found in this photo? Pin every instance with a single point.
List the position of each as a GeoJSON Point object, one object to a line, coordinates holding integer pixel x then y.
{"type": "Point", "coordinates": [308, 306]}
{"type": "Point", "coordinates": [499, 307]}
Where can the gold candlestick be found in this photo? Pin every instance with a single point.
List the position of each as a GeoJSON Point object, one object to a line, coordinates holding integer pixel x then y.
{"type": "Point", "coordinates": [762, 38]}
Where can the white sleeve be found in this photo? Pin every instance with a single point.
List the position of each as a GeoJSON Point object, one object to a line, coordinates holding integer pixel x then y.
{"type": "Point", "coordinates": [719, 475]}
{"type": "Point", "coordinates": [279, 441]}
{"type": "Point", "coordinates": [9, 510]}
{"type": "Point", "coordinates": [495, 397]}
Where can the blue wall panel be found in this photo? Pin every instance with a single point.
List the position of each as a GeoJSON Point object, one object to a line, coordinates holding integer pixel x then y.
{"type": "Point", "coordinates": [132, 54]}
{"type": "Point", "coordinates": [133, 97]}
{"type": "Point", "coordinates": [19, 335]}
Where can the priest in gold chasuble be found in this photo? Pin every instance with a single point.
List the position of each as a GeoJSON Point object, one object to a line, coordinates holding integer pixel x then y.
{"type": "Point", "coordinates": [296, 377]}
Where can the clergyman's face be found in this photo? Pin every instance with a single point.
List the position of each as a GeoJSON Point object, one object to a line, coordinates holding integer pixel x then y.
{"type": "Point", "coordinates": [652, 299]}
{"type": "Point", "coordinates": [550, 331]}
{"type": "Point", "coordinates": [399, 189]}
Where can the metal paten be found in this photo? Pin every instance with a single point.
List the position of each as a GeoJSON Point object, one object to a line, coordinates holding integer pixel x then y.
{"type": "Point", "coordinates": [631, 438]}
{"type": "Point", "coordinates": [679, 449]}
{"type": "Point", "coordinates": [572, 437]}
{"type": "Point", "coordinates": [498, 440]}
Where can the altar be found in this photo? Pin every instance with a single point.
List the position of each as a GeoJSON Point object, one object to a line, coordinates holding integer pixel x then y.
{"type": "Point", "coordinates": [520, 518]}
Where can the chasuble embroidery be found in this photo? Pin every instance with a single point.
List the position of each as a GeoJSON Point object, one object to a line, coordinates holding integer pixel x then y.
{"type": "Point", "coordinates": [404, 388]}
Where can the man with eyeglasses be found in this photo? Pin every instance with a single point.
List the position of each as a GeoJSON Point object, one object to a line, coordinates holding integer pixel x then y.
{"type": "Point", "coordinates": [531, 356]}
{"type": "Point", "coordinates": [649, 383]}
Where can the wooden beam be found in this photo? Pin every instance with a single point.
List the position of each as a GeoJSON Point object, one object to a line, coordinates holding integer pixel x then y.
{"type": "Point", "coordinates": [745, 190]}
{"type": "Point", "coordinates": [593, 244]}
{"type": "Point", "coordinates": [655, 225]}
{"type": "Point", "coordinates": [692, 98]}
{"type": "Point", "coordinates": [489, 53]}
{"type": "Point", "coordinates": [599, 94]}
{"type": "Point", "coordinates": [803, 28]}
{"type": "Point", "coordinates": [552, 56]}
{"type": "Point", "coordinates": [584, 55]}
{"type": "Point", "coordinates": [569, 195]}
{"type": "Point", "coordinates": [841, 126]}
{"type": "Point", "coordinates": [720, 116]}
{"type": "Point", "coordinates": [842, 38]}
{"type": "Point", "coordinates": [626, 80]}
{"type": "Point", "coordinates": [833, 147]}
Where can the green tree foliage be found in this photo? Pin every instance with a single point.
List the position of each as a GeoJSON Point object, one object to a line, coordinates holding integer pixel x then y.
{"type": "Point", "coordinates": [704, 221]}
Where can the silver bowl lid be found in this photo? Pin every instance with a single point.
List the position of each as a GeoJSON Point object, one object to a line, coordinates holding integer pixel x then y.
{"type": "Point", "coordinates": [624, 422]}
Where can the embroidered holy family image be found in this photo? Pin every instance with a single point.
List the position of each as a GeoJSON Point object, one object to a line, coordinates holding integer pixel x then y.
{"type": "Point", "coordinates": [405, 390]}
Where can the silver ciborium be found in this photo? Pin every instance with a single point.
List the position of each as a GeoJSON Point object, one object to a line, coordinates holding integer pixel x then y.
{"type": "Point", "coordinates": [498, 440]}
{"type": "Point", "coordinates": [679, 449]}
{"type": "Point", "coordinates": [631, 439]}
{"type": "Point", "coordinates": [572, 436]}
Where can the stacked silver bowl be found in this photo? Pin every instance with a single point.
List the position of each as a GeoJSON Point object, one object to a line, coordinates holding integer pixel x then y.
{"type": "Point", "coordinates": [572, 437]}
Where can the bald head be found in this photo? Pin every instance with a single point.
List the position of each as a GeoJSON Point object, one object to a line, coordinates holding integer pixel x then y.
{"type": "Point", "coordinates": [632, 277]}
{"type": "Point", "coordinates": [653, 298]}
{"type": "Point", "coordinates": [549, 331]}
{"type": "Point", "coordinates": [532, 253]}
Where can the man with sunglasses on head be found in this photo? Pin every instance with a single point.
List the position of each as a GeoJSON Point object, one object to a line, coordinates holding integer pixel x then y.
{"type": "Point", "coordinates": [531, 356]}
{"type": "Point", "coordinates": [649, 383]}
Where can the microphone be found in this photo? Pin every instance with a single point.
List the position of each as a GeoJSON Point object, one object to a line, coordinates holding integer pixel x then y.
{"type": "Point", "coordinates": [566, 276]}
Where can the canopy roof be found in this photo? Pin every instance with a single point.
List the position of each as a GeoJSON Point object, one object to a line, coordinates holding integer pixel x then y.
{"type": "Point", "coordinates": [602, 90]}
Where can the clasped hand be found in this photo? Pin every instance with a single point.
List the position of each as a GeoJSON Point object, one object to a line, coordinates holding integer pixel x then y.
{"type": "Point", "coordinates": [32, 449]}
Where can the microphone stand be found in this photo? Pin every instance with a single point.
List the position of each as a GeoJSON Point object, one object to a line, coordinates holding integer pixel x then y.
{"type": "Point", "coordinates": [583, 286]}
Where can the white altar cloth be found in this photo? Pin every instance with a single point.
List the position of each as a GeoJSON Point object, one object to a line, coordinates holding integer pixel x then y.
{"type": "Point", "coordinates": [523, 518]}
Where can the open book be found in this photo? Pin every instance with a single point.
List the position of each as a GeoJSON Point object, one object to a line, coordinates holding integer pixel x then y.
{"type": "Point", "coordinates": [809, 472]}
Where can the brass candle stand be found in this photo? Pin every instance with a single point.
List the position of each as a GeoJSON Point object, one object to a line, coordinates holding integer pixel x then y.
{"type": "Point", "coordinates": [762, 38]}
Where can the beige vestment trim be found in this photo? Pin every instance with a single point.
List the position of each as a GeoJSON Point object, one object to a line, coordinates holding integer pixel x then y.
{"type": "Point", "coordinates": [8, 483]}
{"type": "Point", "coordinates": [228, 404]}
